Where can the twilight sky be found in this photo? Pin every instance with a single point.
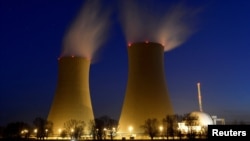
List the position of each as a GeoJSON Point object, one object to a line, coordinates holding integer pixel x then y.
{"type": "Point", "coordinates": [213, 49]}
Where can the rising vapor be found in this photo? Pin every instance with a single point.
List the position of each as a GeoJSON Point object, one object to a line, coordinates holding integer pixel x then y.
{"type": "Point", "coordinates": [169, 26]}
{"type": "Point", "coordinates": [87, 33]}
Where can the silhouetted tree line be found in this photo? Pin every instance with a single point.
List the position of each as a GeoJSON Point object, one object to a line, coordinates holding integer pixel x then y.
{"type": "Point", "coordinates": [40, 129]}
{"type": "Point", "coordinates": [103, 128]}
{"type": "Point", "coordinates": [171, 128]}
{"type": "Point", "coordinates": [100, 128]}
{"type": "Point", "coordinates": [162, 129]}
{"type": "Point", "coordinates": [168, 127]}
{"type": "Point", "coordinates": [16, 130]}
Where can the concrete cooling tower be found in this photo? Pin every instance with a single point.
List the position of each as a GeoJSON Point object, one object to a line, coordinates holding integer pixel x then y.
{"type": "Point", "coordinates": [146, 93]}
{"type": "Point", "coordinates": [72, 97]}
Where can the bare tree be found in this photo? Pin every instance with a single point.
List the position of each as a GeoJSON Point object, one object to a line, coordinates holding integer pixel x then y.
{"type": "Point", "coordinates": [92, 129]}
{"type": "Point", "coordinates": [43, 127]}
{"type": "Point", "coordinates": [151, 127]}
{"type": "Point", "coordinates": [170, 124]}
{"type": "Point", "coordinates": [191, 121]}
{"type": "Point", "coordinates": [74, 128]}
{"type": "Point", "coordinates": [104, 127]}
{"type": "Point", "coordinates": [110, 126]}
{"type": "Point", "coordinates": [63, 134]}
{"type": "Point", "coordinates": [16, 130]}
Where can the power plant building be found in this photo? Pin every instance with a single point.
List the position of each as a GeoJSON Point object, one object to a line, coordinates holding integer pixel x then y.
{"type": "Point", "coordinates": [72, 98]}
{"type": "Point", "coordinates": [146, 93]}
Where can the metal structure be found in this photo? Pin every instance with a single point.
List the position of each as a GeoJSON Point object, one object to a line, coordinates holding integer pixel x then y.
{"type": "Point", "coordinates": [199, 97]}
{"type": "Point", "coordinates": [218, 121]}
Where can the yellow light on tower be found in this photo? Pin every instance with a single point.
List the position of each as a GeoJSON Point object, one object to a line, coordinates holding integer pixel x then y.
{"type": "Point", "coordinates": [160, 128]}
{"type": "Point", "coordinates": [130, 129]}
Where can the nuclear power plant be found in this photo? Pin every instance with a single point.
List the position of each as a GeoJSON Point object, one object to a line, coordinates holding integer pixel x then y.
{"type": "Point", "coordinates": [72, 98]}
{"type": "Point", "coordinates": [146, 93]}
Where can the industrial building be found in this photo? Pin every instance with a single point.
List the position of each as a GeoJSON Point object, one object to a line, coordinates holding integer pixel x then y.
{"type": "Point", "coordinates": [146, 93]}
{"type": "Point", "coordinates": [72, 98]}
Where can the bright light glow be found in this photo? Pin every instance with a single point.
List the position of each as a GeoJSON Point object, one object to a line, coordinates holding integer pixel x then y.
{"type": "Point", "coordinates": [130, 128]}
{"type": "Point", "coordinates": [24, 131]}
{"type": "Point", "coordinates": [161, 128]}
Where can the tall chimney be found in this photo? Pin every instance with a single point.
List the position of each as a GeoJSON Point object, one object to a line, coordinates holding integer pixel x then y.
{"type": "Point", "coordinates": [199, 97]}
{"type": "Point", "coordinates": [72, 97]}
{"type": "Point", "coordinates": [146, 93]}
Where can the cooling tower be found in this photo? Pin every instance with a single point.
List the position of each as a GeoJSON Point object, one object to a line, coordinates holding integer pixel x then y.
{"type": "Point", "coordinates": [146, 93]}
{"type": "Point", "coordinates": [72, 97]}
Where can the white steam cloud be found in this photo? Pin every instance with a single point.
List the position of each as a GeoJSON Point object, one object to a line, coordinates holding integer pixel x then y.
{"type": "Point", "coordinates": [87, 32]}
{"type": "Point", "coordinates": [169, 26]}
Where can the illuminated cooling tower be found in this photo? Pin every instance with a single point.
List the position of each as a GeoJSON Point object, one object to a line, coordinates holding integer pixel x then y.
{"type": "Point", "coordinates": [72, 98]}
{"type": "Point", "coordinates": [146, 94]}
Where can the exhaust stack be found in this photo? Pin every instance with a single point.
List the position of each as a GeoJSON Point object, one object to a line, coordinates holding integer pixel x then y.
{"type": "Point", "coordinates": [146, 93]}
{"type": "Point", "coordinates": [199, 97]}
{"type": "Point", "coordinates": [72, 97]}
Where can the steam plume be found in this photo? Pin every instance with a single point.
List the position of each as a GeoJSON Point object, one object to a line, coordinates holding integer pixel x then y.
{"type": "Point", "coordinates": [87, 33]}
{"type": "Point", "coordinates": [170, 27]}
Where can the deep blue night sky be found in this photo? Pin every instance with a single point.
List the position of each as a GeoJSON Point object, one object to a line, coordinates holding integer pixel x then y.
{"type": "Point", "coordinates": [217, 55]}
